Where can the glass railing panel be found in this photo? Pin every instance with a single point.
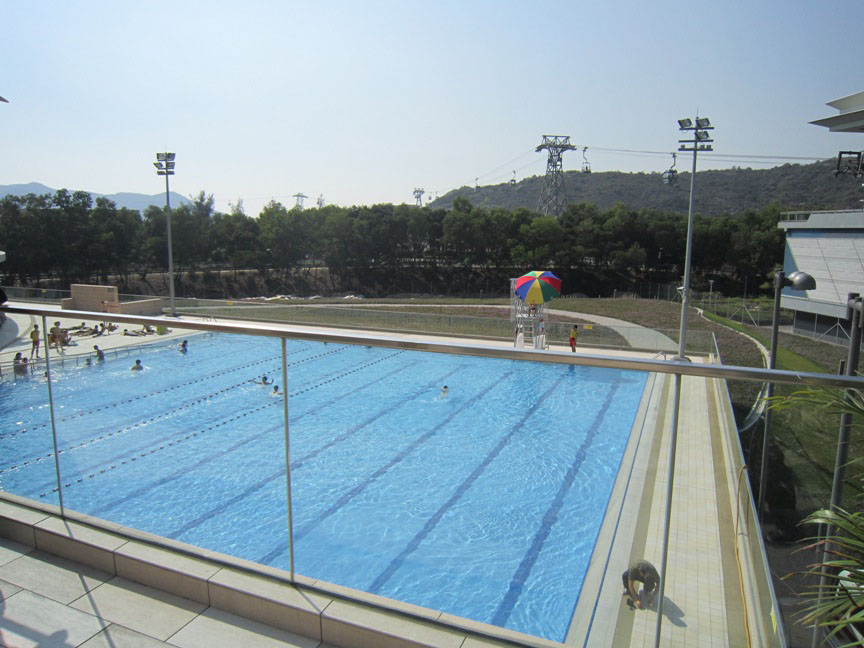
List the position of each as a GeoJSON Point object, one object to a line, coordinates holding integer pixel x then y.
{"type": "Point", "coordinates": [760, 614]}
{"type": "Point", "coordinates": [195, 440]}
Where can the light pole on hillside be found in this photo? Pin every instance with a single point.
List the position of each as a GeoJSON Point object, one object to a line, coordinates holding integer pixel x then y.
{"type": "Point", "coordinates": [165, 167]}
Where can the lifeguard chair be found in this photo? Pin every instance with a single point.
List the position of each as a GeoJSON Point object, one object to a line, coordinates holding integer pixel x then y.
{"type": "Point", "coordinates": [528, 296]}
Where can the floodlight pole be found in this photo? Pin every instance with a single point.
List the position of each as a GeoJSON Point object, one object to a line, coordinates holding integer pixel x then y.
{"type": "Point", "coordinates": [170, 248]}
{"type": "Point", "coordinates": [165, 166]}
{"type": "Point", "coordinates": [700, 142]}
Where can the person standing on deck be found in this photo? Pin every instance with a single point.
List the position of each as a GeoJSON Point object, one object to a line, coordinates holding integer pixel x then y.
{"type": "Point", "coordinates": [34, 339]}
{"type": "Point", "coordinates": [573, 333]}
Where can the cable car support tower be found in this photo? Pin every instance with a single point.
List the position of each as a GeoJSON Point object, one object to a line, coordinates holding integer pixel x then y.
{"type": "Point", "coordinates": [552, 198]}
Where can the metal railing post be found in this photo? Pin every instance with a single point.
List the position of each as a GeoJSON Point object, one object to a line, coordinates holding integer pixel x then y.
{"type": "Point", "coordinates": [287, 455]}
{"type": "Point", "coordinates": [51, 409]}
{"type": "Point", "coordinates": [670, 481]}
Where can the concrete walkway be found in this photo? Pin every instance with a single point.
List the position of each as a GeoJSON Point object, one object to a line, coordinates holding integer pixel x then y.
{"type": "Point", "coordinates": [637, 336]}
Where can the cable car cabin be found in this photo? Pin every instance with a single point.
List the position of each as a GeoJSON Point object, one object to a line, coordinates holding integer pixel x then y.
{"type": "Point", "coordinates": [586, 168]}
{"type": "Point", "coordinates": [850, 162]}
{"type": "Point", "coordinates": [670, 177]}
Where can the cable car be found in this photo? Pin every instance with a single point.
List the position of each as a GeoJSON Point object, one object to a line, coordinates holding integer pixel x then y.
{"type": "Point", "coordinates": [586, 166]}
{"type": "Point", "coordinates": [670, 177]}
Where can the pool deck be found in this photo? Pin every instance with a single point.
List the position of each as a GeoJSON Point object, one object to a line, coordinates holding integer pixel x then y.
{"type": "Point", "coordinates": [51, 594]}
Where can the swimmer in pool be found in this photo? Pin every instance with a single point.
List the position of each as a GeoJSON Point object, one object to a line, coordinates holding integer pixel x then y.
{"type": "Point", "coordinates": [444, 391]}
{"type": "Point", "coordinates": [184, 346]}
{"type": "Point", "coordinates": [137, 366]}
{"type": "Point", "coordinates": [275, 391]}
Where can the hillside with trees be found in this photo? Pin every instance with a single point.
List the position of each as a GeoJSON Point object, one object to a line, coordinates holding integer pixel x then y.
{"type": "Point", "coordinates": [728, 191]}
{"type": "Point", "coordinates": [378, 250]}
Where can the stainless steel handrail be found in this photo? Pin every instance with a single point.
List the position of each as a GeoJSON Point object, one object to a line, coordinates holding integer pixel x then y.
{"type": "Point", "coordinates": [726, 372]}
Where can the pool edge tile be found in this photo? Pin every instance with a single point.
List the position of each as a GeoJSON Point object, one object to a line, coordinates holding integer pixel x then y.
{"type": "Point", "coordinates": [352, 624]}
{"type": "Point", "coordinates": [268, 601]}
{"type": "Point", "coordinates": [77, 542]}
{"type": "Point", "coordinates": [17, 521]}
{"type": "Point", "coordinates": [165, 570]}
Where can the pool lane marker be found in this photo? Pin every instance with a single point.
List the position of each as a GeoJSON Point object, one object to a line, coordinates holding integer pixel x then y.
{"type": "Point", "coordinates": [146, 421]}
{"type": "Point", "coordinates": [201, 432]}
{"type": "Point", "coordinates": [164, 390]}
{"type": "Point", "coordinates": [352, 493]}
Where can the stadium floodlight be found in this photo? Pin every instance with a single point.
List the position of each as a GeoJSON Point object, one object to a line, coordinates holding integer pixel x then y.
{"type": "Point", "coordinates": [685, 123]}
{"type": "Point", "coordinates": [165, 167]}
{"type": "Point", "coordinates": [703, 122]}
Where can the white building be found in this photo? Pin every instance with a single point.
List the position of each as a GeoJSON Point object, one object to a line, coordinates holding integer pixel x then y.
{"type": "Point", "coordinates": [829, 245]}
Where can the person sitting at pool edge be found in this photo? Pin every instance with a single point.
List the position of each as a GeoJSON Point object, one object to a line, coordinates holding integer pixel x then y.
{"type": "Point", "coordinates": [137, 366]}
{"type": "Point", "coordinates": [644, 572]}
{"type": "Point", "coordinates": [100, 354]}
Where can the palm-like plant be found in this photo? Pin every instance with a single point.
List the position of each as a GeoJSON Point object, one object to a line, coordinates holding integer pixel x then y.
{"type": "Point", "coordinates": [837, 602]}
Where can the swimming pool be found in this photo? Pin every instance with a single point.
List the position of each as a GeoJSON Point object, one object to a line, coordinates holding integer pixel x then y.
{"type": "Point", "coordinates": [484, 503]}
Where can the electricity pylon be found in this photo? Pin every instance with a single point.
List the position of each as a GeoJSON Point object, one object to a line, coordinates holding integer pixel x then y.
{"type": "Point", "coordinates": [552, 197]}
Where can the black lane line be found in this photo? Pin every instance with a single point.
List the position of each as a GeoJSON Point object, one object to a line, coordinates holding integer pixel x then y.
{"type": "Point", "coordinates": [126, 457]}
{"type": "Point", "coordinates": [125, 401]}
{"type": "Point", "coordinates": [280, 473]}
{"type": "Point", "coordinates": [144, 421]}
{"type": "Point", "coordinates": [214, 421]}
{"type": "Point", "coordinates": [351, 494]}
{"type": "Point", "coordinates": [432, 522]}
{"type": "Point", "coordinates": [517, 583]}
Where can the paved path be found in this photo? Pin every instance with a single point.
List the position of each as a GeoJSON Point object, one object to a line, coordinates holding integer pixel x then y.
{"type": "Point", "coordinates": [637, 336]}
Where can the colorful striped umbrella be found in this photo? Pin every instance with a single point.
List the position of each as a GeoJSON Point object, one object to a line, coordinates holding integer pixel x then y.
{"type": "Point", "coordinates": [538, 287]}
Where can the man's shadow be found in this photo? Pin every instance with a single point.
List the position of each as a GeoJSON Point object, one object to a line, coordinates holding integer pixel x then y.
{"type": "Point", "coordinates": [671, 612]}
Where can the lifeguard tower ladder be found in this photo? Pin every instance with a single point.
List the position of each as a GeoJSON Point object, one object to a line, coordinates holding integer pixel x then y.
{"type": "Point", "coordinates": [529, 322]}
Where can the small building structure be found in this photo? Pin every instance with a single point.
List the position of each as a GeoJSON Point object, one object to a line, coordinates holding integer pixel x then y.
{"type": "Point", "coordinates": [106, 299]}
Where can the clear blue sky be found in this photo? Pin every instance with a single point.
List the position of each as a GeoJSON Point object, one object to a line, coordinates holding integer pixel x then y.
{"type": "Point", "coordinates": [363, 101]}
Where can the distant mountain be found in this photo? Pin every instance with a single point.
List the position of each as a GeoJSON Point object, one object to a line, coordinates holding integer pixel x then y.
{"type": "Point", "coordinates": [728, 191]}
{"type": "Point", "coordinates": [136, 201]}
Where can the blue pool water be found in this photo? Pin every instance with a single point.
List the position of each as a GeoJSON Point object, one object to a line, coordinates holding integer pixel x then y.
{"type": "Point", "coordinates": [485, 503]}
